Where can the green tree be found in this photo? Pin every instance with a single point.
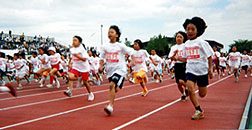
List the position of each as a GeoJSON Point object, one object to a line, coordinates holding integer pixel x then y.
{"type": "Point", "coordinates": [128, 43]}
{"type": "Point", "coordinates": [242, 45]}
{"type": "Point", "coordinates": [160, 43]}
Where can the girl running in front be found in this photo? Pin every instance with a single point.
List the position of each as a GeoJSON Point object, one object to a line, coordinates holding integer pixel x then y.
{"type": "Point", "coordinates": [8, 88]}
{"type": "Point", "coordinates": [235, 62]}
{"type": "Point", "coordinates": [55, 60]}
{"type": "Point", "coordinates": [114, 54]}
{"type": "Point", "coordinates": [245, 62]}
{"type": "Point", "coordinates": [223, 65]}
{"type": "Point", "coordinates": [140, 68]}
{"type": "Point", "coordinates": [199, 62]}
{"type": "Point", "coordinates": [45, 67]}
{"type": "Point", "coordinates": [79, 67]}
{"type": "Point", "coordinates": [176, 54]}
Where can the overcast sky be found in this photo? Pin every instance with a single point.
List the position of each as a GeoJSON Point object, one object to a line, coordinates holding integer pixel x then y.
{"type": "Point", "coordinates": [227, 20]}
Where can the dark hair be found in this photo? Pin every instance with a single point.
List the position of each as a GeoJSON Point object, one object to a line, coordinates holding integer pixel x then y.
{"type": "Point", "coordinates": [198, 22]}
{"type": "Point", "coordinates": [139, 42]}
{"type": "Point", "coordinates": [79, 38]}
{"type": "Point", "coordinates": [42, 48]}
{"type": "Point", "coordinates": [118, 32]}
{"type": "Point", "coordinates": [16, 54]}
{"type": "Point", "coordinates": [10, 57]}
{"type": "Point", "coordinates": [183, 34]}
{"type": "Point", "coordinates": [34, 53]}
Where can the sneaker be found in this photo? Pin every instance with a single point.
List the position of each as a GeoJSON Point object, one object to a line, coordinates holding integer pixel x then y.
{"type": "Point", "coordinates": [236, 79]}
{"type": "Point", "coordinates": [157, 81]}
{"type": "Point", "coordinates": [183, 98]}
{"type": "Point", "coordinates": [145, 93]}
{"type": "Point", "coordinates": [42, 80]}
{"type": "Point", "coordinates": [49, 86]}
{"type": "Point", "coordinates": [198, 115]}
{"type": "Point", "coordinates": [108, 109]}
{"type": "Point", "coordinates": [12, 90]}
{"type": "Point", "coordinates": [57, 84]}
{"type": "Point", "coordinates": [160, 80]}
{"type": "Point", "coordinates": [98, 82]}
{"type": "Point", "coordinates": [90, 96]}
{"type": "Point", "coordinates": [223, 74]}
{"type": "Point", "coordinates": [19, 86]}
{"type": "Point", "coordinates": [53, 84]}
{"type": "Point", "coordinates": [41, 85]}
{"type": "Point", "coordinates": [68, 93]}
{"type": "Point", "coordinates": [131, 80]}
{"type": "Point", "coordinates": [36, 80]}
{"type": "Point", "coordinates": [246, 76]}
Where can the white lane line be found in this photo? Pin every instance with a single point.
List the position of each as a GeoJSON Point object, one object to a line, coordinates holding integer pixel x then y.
{"type": "Point", "coordinates": [245, 114]}
{"type": "Point", "coordinates": [161, 108]}
{"type": "Point", "coordinates": [80, 108]}
{"type": "Point", "coordinates": [63, 98]}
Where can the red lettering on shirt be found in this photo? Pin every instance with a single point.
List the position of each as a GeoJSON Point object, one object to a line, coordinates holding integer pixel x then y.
{"type": "Point", "coordinates": [54, 59]}
{"type": "Point", "coordinates": [112, 57]}
{"type": "Point", "coordinates": [234, 58]}
{"type": "Point", "coordinates": [192, 52]}
{"type": "Point", "coordinates": [180, 53]}
{"type": "Point", "coordinates": [139, 60]}
{"type": "Point", "coordinates": [75, 58]}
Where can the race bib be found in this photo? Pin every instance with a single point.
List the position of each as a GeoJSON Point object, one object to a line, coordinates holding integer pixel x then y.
{"type": "Point", "coordinates": [138, 60]}
{"type": "Point", "coordinates": [112, 57]}
{"type": "Point", "coordinates": [192, 52]}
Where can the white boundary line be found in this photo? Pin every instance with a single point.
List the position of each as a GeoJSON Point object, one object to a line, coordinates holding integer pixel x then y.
{"type": "Point", "coordinates": [245, 115]}
{"type": "Point", "coordinates": [162, 107]}
{"type": "Point", "coordinates": [80, 108]}
{"type": "Point", "coordinates": [63, 98]}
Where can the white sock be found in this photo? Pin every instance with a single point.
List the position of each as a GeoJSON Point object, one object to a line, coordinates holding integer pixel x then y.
{"type": "Point", "coordinates": [4, 89]}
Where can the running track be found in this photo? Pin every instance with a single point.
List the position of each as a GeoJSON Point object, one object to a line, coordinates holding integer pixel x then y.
{"type": "Point", "coordinates": [44, 108]}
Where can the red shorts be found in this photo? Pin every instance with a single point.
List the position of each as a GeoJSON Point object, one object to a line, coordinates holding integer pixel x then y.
{"type": "Point", "coordinates": [84, 75]}
{"type": "Point", "coordinates": [64, 73]}
{"type": "Point", "coordinates": [56, 66]}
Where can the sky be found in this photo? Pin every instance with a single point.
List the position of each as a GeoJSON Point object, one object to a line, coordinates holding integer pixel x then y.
{"type": "Point", "coordinates": [227, 20]}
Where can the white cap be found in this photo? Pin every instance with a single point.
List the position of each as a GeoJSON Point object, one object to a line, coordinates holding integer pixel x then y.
{"type": "Point", "coordinates": [52, 49]}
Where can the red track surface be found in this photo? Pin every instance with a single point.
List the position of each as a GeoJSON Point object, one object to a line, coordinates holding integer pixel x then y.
{"type": "Point", "coordinates": [43, 108]}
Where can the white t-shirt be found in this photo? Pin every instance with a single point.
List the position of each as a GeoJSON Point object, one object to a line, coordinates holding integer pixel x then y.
{"type": "Point", "coordinates": [96, 62]}
{"type": "Point", "coordinates": [35, 62]}
{"type": "Point", "coordinates": [216, 55]}
{"type": "Point", "coordinates": [235, 58]}
{"type": "Point", "coordinates": [79, 65]}
{"type": "Point", "coordinates": [181, 51]}
{"type": "Point", "coordinates": [19, 63]}
{"type": "Point", "coordinates": [114, 54]}
{"type": "Point", "coordinates": [10, 65]}
{"type": "Point", "coordinates": [55, 59]}
{"type": "Point", "coordinates": [3, 64]}
{"type": "Point", "coordinates": [245, 60]}
{"type": "Point", "coordinates": [158, 60]}
{"type": "Point", "coordinates": [223, 61]}
{"type": "Point", "coordinates": [45, 58]}
{"type": "Point", "coordinates": [140, 58]}
{"type": "Point", "coordinates": [197, 53]}
{"type": "Point", "coordinates": [168, 63]}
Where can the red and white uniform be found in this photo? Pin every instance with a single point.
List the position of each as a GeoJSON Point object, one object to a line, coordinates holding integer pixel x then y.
{"type": "Point", "coordinates": [158, 60]}
{"type": "Point", "coordinates": [35, 63]}
{"type": "Point", "coordinates": [223, 61]}
{"type": "Point", "coordinates": [235, 59]}
{"type": "Point", "coordinates": [114, 55]}
{"type": "Point", "coordinates": [77, 64]}
{"type": "Point", "coordinates": [140, 58]}
{"type": "Point", "coordinates": [44, 58]}
{"type": "Point", "coordinates": [94, 64]}
{"type": "Point", "coordinates": [197, 53]}
{"type": "Point", "coordinates": [55, 60]}
{"type": "Point", "coordinates": [245, 60]}
{"type": "Point", "coordinates": [20, 68]}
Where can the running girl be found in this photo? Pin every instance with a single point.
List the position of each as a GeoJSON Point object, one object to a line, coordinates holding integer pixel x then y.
{"type": "Point", "coordinates": [114, 54]}
{"type": "Point", "coordinates": [223, 65]}
{"type": "Point", "coordinates": [55, 60]}
{"type": "Point", "coordinates": [79, 67]}
{"type": "Point", "coordinates": [235, 62]}
{"type": "Point", "coordinates": [156, 67]}
{"type": "Point", "coordinates": [215, 59]}
{"type": "Point", "coordinates": [94, 65]}
{"type": "Point", "coordinates": [45, 66]}
{"type": "Point", "coordinates": [245, 62]}
{"type": "Point", "coordinates": [177, 53]}
{"type": "Point", "coordinates": [140, 68]}
{"type": "Point", "coordinates": [199, 62]}
{"type": "Point", "coordinates": [35, 65]}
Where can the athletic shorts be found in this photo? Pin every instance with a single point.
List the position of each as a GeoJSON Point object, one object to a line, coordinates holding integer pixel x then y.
{"type": "Point", "coordinates": [56, 66]}
{"type": "Point", "coordinates": [84, 75]}
{"type": "Point", "coordinates": [180, 69]}
{"type": "Point", "coordinates": [141, 74]}
{"type": "Point", "coordinates": [245, 67]}
{"type": "Point", "coordinates": [223, 67]}
{"type": "Point", "coordinates": [45, 73]}
{"type": "Point", "coordinates": [202, 80]}
{"type": "Point", "coordinates": [117, 79]}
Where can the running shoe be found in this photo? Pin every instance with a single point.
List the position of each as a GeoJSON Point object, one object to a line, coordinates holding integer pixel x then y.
{"type": "Point", "coordinates": [49, 86]}
{"type": "Point", "coordinates": [198, 115]}
{"type": "Point", "coordinates": [183, 98]}
{"type": "Point", "coordinates": [98, 82]}
{"type": "Point", "coordinates": [250, 75]}
{"type": "Point", "coordinates": [236, 79]}
{"type": "Point", "coordinates": [157, 81]}
{"type": "Point", "coordinates": [41, 85]}
{"type": "Point", "coordinates": [90, 96]}
{"type": "Point", "coordinates": [19, 86]}
{"type": "Point", "coordinates": [36, 80]}
{"type": "Point", "coordinates": [57, 84]}
{"type": "Point", "coordinates": [223, 74]}
{"type": "Point", "coordinates": [246, 76]}
{"type": "Point", "coordinates": [108, 109]}
{"type": "Point", "coordinates": [12, 90]}
{"type": "Point", "coordinates": [68, 93]}
{"type": "Point", "coordinates": [145, 93]}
